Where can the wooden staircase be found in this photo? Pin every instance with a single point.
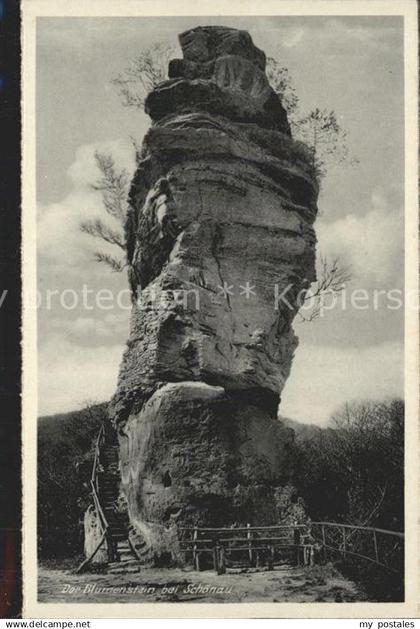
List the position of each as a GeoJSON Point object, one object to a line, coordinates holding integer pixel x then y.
{"type": "Point", "coordinates": [127, 561]}
{"type": "Point", "coordinates": [105, 483]}
{"type": "Point", "coordinates": [122, 557]}
{"type": "Point", "coordinates": [108, 482]}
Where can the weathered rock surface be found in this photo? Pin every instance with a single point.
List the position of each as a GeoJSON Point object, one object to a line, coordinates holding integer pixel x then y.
{"type": "Point", "coordinates": [220, 224]}
{"type": "Point", "coordinates": [222, 73]}
{"type": "Point", "coordinates": [195, 453]}
{"type": "Point", "coordinates": [206, 43]}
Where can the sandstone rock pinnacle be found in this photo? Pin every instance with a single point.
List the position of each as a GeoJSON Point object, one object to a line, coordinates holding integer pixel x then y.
{"type": "Point", "coordinates": [221, 212]}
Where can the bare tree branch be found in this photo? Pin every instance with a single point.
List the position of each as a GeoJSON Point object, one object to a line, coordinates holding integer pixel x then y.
{"type": "Point", "coordinates": [332, 279]}
{"type": "Point", "coordinates": [98, 229]}
{"type": "Point", "coordinates": [115, 264]}
{"type": "Point", "coordinates": [322, 133]}
{"type": "Point", "coordinates": [113, 186]}
{"type": "Point", "coordinates": [146, 71]}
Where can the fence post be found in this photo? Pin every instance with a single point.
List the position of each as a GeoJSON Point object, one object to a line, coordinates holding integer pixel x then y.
{"type": "Point", "coordinates": [375, 542]}
{"type": "Point", "coordinates": [195, 554]}
{"type": "Point", "coordinates": [215, 556]}
{"type": "Point", "coordinates": [311, 556]}
{"type": "Point", "coordinates": [324, 548]}
{"type": "Point", "coordinates": [222, 561]}
{"type": "Point", "coordinates": [296, 540]}
{"type": "Point", "coordinates": [271, 557]}
{"type": "Point", "coordinates": [249, 537]}
{"type": "Point", "coordinates": [344, 542]}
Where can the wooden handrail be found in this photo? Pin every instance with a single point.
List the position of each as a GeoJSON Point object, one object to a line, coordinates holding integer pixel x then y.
{"type": "Point", "coordinates": [206, 539]}
{"type": "Point", "coordinates": [87, 561]}
{"type": "Point", "coordinates": [288, 526]}
{"type": "Point", "coordinates": [98, 442]}
{"type": "Point", "coordinates": [240, 529]}
{"type": "Point", "coordinates": [397, 539]}
{"type": "Point", "coordinates": [362, 528]}
{"type": "Point", "coordinates": [360, 556]}
{"type": "Point", "coordinates": [96, 502]}
{"type": "Point", "coordinates": [233, 539]}
{"type": "Point", "coordinates": [94, 477]}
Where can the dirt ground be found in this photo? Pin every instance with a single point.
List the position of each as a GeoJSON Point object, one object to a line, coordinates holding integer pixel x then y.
{"type": "Point", "coordinates": [284, 584]}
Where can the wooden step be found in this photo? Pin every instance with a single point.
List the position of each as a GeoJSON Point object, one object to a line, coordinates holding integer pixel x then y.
{"type": "Point", "coordinates": [119, 522]}
{"type": "Point", "coordinates": [132, 561]}
{"type": "Point", "coordinates": [126, 569]}
{"type": "Point", "coordinates": [118, 525]}
{"type": "Point", "coordinates": [121, 564]}
{"type": "Point", "coordinates": [126, 556]}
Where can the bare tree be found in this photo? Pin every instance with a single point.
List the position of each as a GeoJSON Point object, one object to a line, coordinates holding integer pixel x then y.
{"type": "Point", "coordinates": [353, 470]}
{"type": "Point", "coordinates": [333, 277]}
{"type": "Point", "coordinates": [113, 186]}
{"type": "Point", "coordinates": [146, 71]}
{"type": "Point", "coordinates": [322, 133]}
{"type": "Point", "coordinates": [319, 129]}
{"type": "Point", "coordinates": [363, 428]}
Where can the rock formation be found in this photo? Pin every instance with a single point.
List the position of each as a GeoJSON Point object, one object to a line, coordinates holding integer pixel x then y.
{"type": "Point", "coordinates": [220, 224]}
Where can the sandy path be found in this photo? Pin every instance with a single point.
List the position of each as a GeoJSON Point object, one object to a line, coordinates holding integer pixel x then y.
{"type": "Point", "coordinates": [284, 584]}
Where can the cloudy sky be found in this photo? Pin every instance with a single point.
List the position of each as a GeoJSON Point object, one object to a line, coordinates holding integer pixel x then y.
{"type": "Point", "coordinates": [353, 65]}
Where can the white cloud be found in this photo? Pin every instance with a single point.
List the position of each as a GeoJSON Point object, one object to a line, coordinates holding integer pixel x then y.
{"type": "Point", "coordinates": [323, 378]}
{"type": "Point", "coordinates": [292, 36]}
{"type": "Point", "coordinates": [70, 375]}
{"type": "Point", "coordinates": [79, 357]}
{"type": "Point", "coordinates": [372, 244]}
{"type": "Point", "coordinates": [58, 237]}
{"type": "Point", "coordinates": [84, 170]}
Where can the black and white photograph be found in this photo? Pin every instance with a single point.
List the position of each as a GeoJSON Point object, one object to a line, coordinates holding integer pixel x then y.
{"type": "Point", "coordinates": [218, 224]}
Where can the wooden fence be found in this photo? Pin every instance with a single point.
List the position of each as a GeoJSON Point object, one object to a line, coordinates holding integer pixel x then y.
{"type": "Point", "coordinates": [302, 544]}
{"type": "Point", "coordinates": [360, 543]}
{"type": "Point", "coordinates": [250, 545]}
